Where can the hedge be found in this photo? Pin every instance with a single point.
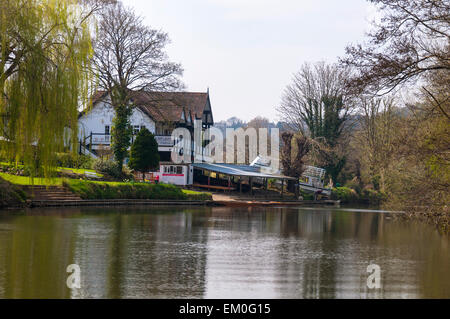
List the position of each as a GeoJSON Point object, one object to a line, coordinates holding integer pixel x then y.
{"type": "Point", "coordinates": [349, 195]}
{"type": "Point", "coordinates": [117, 190]}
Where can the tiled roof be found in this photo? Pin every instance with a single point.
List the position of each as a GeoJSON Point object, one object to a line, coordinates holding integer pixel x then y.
{"type": "Point", "coordinates": [167, 106]}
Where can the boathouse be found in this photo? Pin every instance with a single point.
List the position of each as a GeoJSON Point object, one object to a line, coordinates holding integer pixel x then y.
{"type": "Point", "coordinates": [234, 177]}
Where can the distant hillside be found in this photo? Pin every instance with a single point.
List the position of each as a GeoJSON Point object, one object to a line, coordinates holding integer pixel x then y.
{"type": "Point", "coordinates": [235, 122]}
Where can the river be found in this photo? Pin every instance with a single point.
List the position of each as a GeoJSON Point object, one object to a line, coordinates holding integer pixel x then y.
{"type": "Point", "coordinates": [218, 252]}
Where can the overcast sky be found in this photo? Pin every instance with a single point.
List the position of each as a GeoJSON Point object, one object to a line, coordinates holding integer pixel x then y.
{"type": "Point", "coordinates": [246, 51]}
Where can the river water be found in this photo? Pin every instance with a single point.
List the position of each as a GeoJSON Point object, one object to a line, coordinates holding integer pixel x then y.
{"type": "Point", "coordinates": [216, 252]}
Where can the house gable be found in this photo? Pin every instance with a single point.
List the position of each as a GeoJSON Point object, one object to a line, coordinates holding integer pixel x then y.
{"type": "Point", "coordinates": [100, 116]}
{"type": "Point", "coordinates": [168, 108]}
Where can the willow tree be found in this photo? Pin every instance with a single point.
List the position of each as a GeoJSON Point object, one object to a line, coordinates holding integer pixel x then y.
{"type": "Point", "coordinates": [45, 48]}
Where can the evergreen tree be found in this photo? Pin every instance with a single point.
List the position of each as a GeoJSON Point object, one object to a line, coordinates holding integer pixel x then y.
{"type": "Point", "coordinates": [144, 152]}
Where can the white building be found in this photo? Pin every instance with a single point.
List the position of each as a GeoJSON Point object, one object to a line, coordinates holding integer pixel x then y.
{"type": "Point", "coordinates": [160, 113]}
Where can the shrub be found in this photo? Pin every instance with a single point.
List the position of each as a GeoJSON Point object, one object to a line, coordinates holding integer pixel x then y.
{"type": "Point", "coordinates": [376, 182]}
{"type": "Point", "coordinates": [306, 196]}
{"type": "Point", "coordinates": [107, 167]}
{"type": "Point", "coordinates": [74, 160]}
{"type": "Point", "coordinates": [367, 196]}
{"type": "Point", "coordinates": [373, 197]}
{"type": "Point", "coordinates": [191, 195]}
{"type": "Point", "coordinates": [344, 194]}
{"type": "Point", "coordinates": [354, 185]}
{"type": "Point", "coordinates": [13, 169]}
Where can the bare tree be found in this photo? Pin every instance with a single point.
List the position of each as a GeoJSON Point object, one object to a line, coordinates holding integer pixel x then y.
{"type": "Point", "coordinates": [129, 56]}
{"type": "Point", "coordinates": [411, 40]}
{"type": "Point", "coordinates": [316, 105]}
{"type": "Point", "coordinates": [292, 158]}
{"type": "Point", "coordinates": [375, 138]}
{"type": "Point", "coordinates": [305, 101]}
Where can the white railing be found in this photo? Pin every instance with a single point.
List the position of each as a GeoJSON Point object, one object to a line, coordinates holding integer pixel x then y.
{"type": "Point", "coordinates": [105, 139]}
{"type": "Point", "coordinates": [164, 140]}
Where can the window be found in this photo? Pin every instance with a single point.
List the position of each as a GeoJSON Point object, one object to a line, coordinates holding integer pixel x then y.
{"type": "Point", "coordinates": [170, 169]}
{"type": "Point", "coordinates": [106, 129]}
{"type": "Point", "coordinates": [135, 129]}
{"type": "Point", "coordinates": [142, 127]}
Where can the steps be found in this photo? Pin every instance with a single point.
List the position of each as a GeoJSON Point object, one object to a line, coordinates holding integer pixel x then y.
{"type": "Point", "coordinates": [52, 193]}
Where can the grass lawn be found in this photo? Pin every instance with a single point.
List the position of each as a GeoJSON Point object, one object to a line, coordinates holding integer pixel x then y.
{"type": "Point", "coordinates": [112, 190]}
{"type": "Point", "coordinates": [81, 171]}
{"type": "Point", "coordinates": [25, 180]}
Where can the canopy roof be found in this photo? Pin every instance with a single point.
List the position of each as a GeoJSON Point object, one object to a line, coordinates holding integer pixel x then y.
{"type": "Point", "coordinates": [238, 170]}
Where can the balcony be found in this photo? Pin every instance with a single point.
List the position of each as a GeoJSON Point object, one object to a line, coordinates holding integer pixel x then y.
{"type": "Point", "coordinates": [97, 139]}
{"type": "Point", "coordinates": [164, 140]}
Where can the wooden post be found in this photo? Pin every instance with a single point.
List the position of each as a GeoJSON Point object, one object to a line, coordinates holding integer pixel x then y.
{"type": "Point", "coordinates": [265, 188]}
{"type": "Point", "coordinates": [229, 183]}
{"type": "Point", "coordinates": [240, 184]}
{"type": "Point", "coordinates": [209, 179]}
{"type": "Point", "coordinates": [282, 187]}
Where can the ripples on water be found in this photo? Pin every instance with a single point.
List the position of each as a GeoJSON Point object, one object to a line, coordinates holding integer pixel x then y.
{"type": "Point", "coordinates": [219, 253]}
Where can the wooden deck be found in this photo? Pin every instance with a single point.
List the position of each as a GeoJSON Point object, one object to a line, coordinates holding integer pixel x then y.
{"type": "Point", "coordinates": [214, 187]}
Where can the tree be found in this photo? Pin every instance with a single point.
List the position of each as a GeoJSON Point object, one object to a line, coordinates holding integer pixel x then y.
{"type": "Point", "coordinates": [315, 104]}
{"type": "Point", "coordinates": [144, 154]}
{"type": "Point", "coordinates": [375, 138]}
{"type": "Point", "coordinates": [410, 48]}
{"type": "Point", "coordinates": [418, 178]}
{"type": "Point", "coordinates": [45, 49]}
{"type": "Point", "coordinates": [129, 56]}
{"type": "Point", "coordinates": [292, 158]}
{"type": "Point", "coordinates": [410, 42]}
{"type": "Point", "coordinates": [314, 90]}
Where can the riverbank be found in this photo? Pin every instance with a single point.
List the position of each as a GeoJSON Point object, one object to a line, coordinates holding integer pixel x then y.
{"type": "Point", "coordinates": [90, 190]}
{"type": "Point", "coordinates": [11, 195]}
{"type": "Point", "coordinates": [93, 193]}
{"type": "Point", "coordinates": [18, 191]}
{"type": "Point", "coordinates": [438, 217]}
{"type": "Point", "coordinates": [349, 195]}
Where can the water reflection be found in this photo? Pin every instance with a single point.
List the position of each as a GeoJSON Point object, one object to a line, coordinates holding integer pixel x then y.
{"type": "Point", "coordinates": [219, 253]}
